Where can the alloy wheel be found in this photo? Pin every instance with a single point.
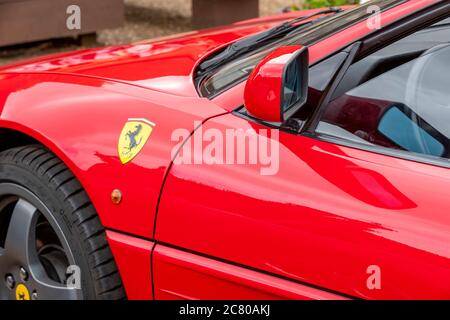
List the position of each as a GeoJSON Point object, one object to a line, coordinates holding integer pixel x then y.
{"type": "Point", "coordinates": [34, 253]}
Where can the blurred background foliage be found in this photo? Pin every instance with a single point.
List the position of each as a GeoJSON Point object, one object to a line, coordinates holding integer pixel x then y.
{"type": "Point", "coordinates": [312, 4]}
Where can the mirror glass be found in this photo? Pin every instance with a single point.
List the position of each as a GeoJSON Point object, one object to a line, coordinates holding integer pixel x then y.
{"type": "Point", "coordinates": [292, 86]}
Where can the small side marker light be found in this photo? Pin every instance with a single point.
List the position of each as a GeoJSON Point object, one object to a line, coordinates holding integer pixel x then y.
{"type": "Point", "coordinates": [116, 196]}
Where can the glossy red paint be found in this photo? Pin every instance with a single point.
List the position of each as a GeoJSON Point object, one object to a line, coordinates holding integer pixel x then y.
{"type": "Point", "coordinates": [80, 119]}
{"type": "Point", "coordinates": [133, 258]}
{"type": "Point", "coordinates": [340, 211]}
{"type": "Point", "coordinates": [263, 90]}
{"type": "Point", "coordinates": [328, 214]}
{"type": "Point", "coordinates": [206, 278]}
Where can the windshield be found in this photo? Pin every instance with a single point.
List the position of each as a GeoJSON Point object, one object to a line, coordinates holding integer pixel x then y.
{"type": "Point", "coordinates": [212, 83]}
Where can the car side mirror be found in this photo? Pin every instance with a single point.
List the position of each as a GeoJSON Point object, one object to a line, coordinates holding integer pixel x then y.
{"type": "Point", "coordinates": [278, 86]}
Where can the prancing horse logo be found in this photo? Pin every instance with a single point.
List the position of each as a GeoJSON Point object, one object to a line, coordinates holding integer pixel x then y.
{"type": "Point", "coordinates": [134, 136]}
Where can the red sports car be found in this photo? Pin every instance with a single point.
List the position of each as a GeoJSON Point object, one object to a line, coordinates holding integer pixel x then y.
{"type": "Point", "coordinates": [301, 156]}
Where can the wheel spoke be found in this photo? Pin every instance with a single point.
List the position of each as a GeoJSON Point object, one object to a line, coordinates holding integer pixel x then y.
{"type": "Point", "coordinates": [20, 238]}
{"type": "Point", "coordinates": [32, 226]}
{"type": "Point", "coordinates": [55, 291]}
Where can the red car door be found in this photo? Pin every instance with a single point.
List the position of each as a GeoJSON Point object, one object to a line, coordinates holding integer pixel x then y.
{"type": "Point", "coordinates": [359, 209]}
{"type": "Point", "coordinates": [329, 218]}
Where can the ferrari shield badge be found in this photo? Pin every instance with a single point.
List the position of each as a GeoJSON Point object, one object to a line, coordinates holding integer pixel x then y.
{"type": "Point", "coordinates": [22, 292]}
{"type": "Point", "coordinates": [134, 136]}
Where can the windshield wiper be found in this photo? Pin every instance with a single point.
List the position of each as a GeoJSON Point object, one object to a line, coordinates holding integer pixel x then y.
{"type": "Point", "coordinates": [253, 42]}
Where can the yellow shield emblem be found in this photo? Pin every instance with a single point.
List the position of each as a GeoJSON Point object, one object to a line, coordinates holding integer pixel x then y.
{"type": "Point", "coordinates": [22, 293]}
{"type": "Point", "coordinates": [134, 136]}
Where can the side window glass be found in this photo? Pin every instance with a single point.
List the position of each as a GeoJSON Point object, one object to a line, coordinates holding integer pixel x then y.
{"type": "Point", "coordinates": [405, 108]}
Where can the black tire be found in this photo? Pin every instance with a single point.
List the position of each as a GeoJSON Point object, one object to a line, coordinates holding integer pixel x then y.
{"type": "Point", "coordinates": [42, 173]}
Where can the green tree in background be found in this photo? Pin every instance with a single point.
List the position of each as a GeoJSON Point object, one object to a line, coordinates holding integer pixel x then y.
{"type": "Point", "coordinates": [311, 4]}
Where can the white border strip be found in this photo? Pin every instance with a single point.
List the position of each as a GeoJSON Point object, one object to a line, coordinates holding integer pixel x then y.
{"type": "Point", "coordinates": [142, 120]}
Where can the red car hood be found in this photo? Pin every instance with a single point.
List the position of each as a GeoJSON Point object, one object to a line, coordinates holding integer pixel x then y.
{"type": "Point", "coordinates": [164, 64]}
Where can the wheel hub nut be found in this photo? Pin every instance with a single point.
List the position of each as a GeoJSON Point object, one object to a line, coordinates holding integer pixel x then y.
{"type": "Point", "coordinates": [10, 282]}
{"type": "Point", "coordinates": [23, 274]}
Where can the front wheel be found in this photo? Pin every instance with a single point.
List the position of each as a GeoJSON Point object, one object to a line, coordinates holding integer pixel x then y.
{"type": "Point", "coordinates": [52, 244]}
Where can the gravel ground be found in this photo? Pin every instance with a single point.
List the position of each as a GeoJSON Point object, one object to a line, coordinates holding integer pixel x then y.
{"type": "Point", "coordinates": [144, 19]}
